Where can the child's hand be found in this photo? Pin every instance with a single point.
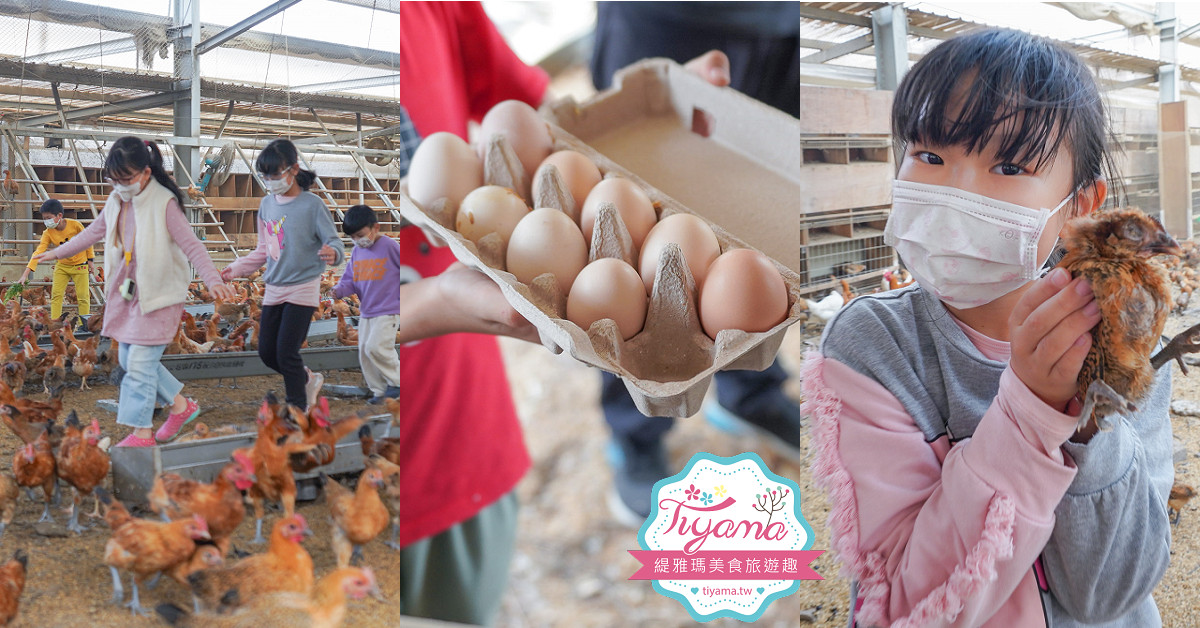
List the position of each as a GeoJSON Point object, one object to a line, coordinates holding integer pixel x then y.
{"type": "Point", "coordinates": [473, 303]}
{"type": "Point", "coordinates": [226, 274]}
{"type": "Point", "coordinates": [222, 291]}
{"type": "Point", "coordinates": [328, 255]}
{"type": "Point", "coordinates": [1050, 336]}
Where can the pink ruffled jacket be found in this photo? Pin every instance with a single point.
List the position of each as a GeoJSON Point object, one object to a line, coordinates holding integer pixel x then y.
{"type": "Point", "coordinates": [947, 518]}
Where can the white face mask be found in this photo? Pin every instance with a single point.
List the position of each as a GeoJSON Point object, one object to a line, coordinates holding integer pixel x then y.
{"type": "Point", "coordinates": [967, 249]}
{"type": "Point", "coordinates": [126, 190]}
{"type": "Point", "coordinates": [50, 223]}
{"type": "Point", "coordinates": [363, 242]}
{"type": "Point", "coordinates": [277, 186]}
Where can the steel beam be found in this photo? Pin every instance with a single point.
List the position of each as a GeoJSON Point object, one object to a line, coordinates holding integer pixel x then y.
{"type": "Point", "coordinates": [389, 6]}
{"type": "Point", "coordinates": [1137, 82]}
{"type": "Point", "coordinates": [119, 20]}
{"type": "Point", "coordinates": [890, 26]}
{"type": "Point", "coordinates": [133, 104]}
{"type": "Point", "coordinates": [187, 84]}
{"type": "Point", "coordinates": [1168, 72]}
{"type": "Point", "coordinates": [115, 46]}
{"type": "Point", "coordinates": [48, 73]}
{"type": "Point", "coordinates": [826, 15]}
{"type": "Point", "coordinates": [361, 83]}
{"type": "Point", "coordinates": [220, 38]}
{"type": "Point", "coordinates": [840, 50]}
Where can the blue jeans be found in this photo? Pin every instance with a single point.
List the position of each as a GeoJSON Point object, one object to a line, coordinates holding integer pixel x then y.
{"type": "Point", "coordinates": [146, 381]}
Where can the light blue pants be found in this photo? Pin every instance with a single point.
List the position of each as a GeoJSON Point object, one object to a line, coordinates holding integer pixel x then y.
{"type": "Point", "coordinates": [146, 381]}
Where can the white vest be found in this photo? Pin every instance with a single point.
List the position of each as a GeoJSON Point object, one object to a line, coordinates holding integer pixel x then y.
{"type": "Point", "coordinates": [163, 273]}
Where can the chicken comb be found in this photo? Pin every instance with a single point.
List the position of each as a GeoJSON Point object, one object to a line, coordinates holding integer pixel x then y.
{"type": "Point", "coordinates": [199, 521]}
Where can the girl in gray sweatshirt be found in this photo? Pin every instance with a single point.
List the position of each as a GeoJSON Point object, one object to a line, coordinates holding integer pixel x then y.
{"type": "Point", "coordinates": [296, 240]}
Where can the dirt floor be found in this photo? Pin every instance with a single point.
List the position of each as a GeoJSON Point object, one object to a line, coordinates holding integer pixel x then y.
{"type": "Point", "coordinates": [68, 584]}
{"type": "Point", "coordinates": [572, 564]}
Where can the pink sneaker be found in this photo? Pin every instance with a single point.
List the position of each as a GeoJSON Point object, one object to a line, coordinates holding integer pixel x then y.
{"type": "Point", "coordinates": [176, 422]}
{"type": "Point", "coordinates": [134, 441]}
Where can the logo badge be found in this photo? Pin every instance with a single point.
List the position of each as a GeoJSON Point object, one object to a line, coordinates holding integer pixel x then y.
{"type": "Point", "coordinates": [726, 538]}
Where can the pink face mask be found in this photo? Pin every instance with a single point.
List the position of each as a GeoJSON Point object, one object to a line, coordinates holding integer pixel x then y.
{"type": "Point", "coordinates": [967, 249]}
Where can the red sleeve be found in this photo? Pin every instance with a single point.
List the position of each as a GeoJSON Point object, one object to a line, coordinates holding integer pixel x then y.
{"type": "Point", "coordinates": [494, 73]}
{"type": "Point", "coordinates": [454, 66]}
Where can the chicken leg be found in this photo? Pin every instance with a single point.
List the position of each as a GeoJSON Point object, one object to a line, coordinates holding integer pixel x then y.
{"type": "Point", "coordinates": [1101, 400]}
{"type": "Point", "coordinates": [73, 524]}
{"type": "Point", "coordinates": [1186, 342]}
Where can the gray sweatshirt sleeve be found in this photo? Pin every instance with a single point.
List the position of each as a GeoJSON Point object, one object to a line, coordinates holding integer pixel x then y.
{"type": "Point", "coordinates": [1112, 539]}
{"type": "Point", "coordinates": [327, 232]}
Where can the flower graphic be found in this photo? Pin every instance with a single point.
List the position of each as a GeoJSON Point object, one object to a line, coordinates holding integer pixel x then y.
{"type": "Point", "coordinates": [720, 491]}
{"type": "Point", "coordinates": [706, 499]}
{"type": "Point", "coordinates": [692, 492]}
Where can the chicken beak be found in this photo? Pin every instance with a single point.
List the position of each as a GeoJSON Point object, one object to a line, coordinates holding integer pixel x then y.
{"type": "Point", "coordinates": [1164, 244]}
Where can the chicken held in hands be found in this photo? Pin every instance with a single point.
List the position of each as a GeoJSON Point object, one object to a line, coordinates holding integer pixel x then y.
{"type": "Point", "coordinates": [1112, 250]}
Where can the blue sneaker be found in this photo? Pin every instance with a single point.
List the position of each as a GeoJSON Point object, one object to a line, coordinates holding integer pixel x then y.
{"type": "Point", "coordinates": [775, 419]}
{"type": "Point", "coordinates": [636, 468]}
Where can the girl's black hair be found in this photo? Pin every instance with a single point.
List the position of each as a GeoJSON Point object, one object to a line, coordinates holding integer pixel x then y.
{"type": "Point", "coordinates": [281, 154]}
{"type": "Point", "coordinates": [130, 154]}
{"type": "Point", "coordinates": [1027, 92]}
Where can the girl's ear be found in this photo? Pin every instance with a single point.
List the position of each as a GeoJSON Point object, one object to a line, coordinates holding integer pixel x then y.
{"type": "Point", "coordinates": [1089, 198]}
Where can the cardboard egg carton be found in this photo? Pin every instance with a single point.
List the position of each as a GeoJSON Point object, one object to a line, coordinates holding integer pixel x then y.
{"type": "Point", "coordinates": [651, 110]}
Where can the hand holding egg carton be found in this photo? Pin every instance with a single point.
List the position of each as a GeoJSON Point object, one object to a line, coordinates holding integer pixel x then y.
{"type": "Point", "coordinates": [606, 267]}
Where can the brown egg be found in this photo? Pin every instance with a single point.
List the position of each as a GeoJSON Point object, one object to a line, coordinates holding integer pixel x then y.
{"type": "Point", "coordinates": [526, 131]}
{"type": "Point", "coordinates": [577, 171]}
{"type": "Point", "coordinates": [635, 208]}
{"type": "Point", "coordinates": [443, 166]}
{"type": "Point", "coordinates": [608, 288]}
{"type": "Point", "coordinates": [488, 209]}
{"type": "Point", "coordinates": [696, 241]}
{"type": "Point", "coordinates": [547, 241]}
{"type": "Point", "coordinates": [743, 290]}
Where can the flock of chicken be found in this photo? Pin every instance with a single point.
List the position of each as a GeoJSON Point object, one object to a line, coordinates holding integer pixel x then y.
{"type": "Point", "coordinates": [193, 540]}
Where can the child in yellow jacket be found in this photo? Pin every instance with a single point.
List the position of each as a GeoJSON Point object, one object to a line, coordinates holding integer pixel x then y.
{"type": "Point", "coordinates": [76, 269]}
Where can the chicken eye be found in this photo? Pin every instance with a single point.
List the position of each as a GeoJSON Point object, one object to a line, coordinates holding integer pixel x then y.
{"type": "Point", "coordinates": [1132, 232]}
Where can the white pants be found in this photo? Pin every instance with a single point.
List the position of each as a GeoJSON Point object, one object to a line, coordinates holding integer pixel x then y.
{"type": "Point", "coordinates": [377, 352]}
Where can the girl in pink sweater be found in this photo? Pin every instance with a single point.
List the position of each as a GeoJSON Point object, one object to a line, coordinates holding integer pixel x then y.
{"type": "Point", "coordinates": [944, 414]}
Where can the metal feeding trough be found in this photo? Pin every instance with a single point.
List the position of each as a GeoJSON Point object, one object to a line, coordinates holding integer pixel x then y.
{"type": "Point", "coordinates": [134, 468]}
{"type": "Point", "coordinates": [248, 364]}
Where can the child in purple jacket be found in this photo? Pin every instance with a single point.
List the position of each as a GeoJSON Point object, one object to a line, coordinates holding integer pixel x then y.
{"type": "Point", "coordinates": [373, 273]}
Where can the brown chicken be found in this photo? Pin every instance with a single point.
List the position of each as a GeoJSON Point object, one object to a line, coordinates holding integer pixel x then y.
{"type": "Point", "coordinates": [8, 500]}
{"type": "Point", "coordinates": [33, 466]}
{"type": "Point", "coordinates": [27, 418]}
{"type": "Point", "coordinates": [1112, 249]}
{"type": "Point", "coordinates": [346, 334]}
{"type": "Point", "coordinates": [54, 376]}
{"type": "Point", "coordinates": [388, 448]}
{"type": "Point", "coordinates": [144, 547]}
{"type": "Point", "coordinates": [286, 566]}
{"type": "Point", "coordinates": [13, 372]}
{"type": "Point", "coordinates": [199, 432]}
{"type": "Point", "coordinates": [220, 503]}
{"type": "Point", "coordinates": [324, 436]}
{"type": "Point", "coordinates": [324, 608]}
{"type": "Point", "coordinates": [81, 464]}
{"type": "Point", "coordinates": [206, 556]}
{"type": "Point", "coordinates": [83, 368]}
{"type": "Point", "coordinates": [96, 321]}
{"type": "Point", "coordinates": [12, 584]}
{"type": "Point", "coordinates": [358, 516]}
{"type": "Point", "coordinates": [1181, 494]}
{"type": "Point", "coordinates": [391, 495]}
{"type": "Point", "coordinates": [273, 473]}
